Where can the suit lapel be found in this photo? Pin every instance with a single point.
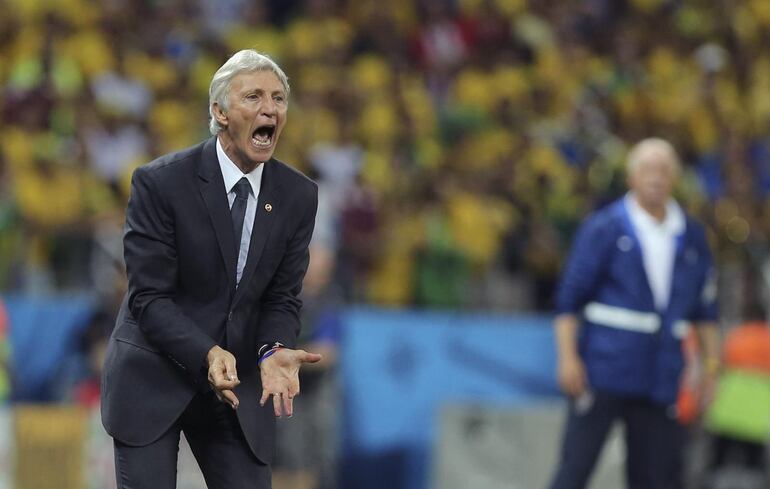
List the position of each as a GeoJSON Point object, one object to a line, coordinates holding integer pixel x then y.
{"type": "Point", "coordinates": [268, 206]}
{"type": "Point", "coordinates": [212, 188]}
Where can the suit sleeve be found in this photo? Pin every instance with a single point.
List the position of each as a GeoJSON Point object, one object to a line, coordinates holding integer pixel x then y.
{"type": "Point", "coordinates": [280, 305]}
{"type": "Point", "coordinates": [151, 264]}
{"type": "Point", "coordinates": [584, 267]}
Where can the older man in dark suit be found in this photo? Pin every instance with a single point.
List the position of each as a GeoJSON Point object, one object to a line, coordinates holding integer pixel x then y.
{"type": "Point", "coordinates": [216, 247]}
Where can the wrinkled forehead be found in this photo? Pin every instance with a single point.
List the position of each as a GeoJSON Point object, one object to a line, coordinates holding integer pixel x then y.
{"type": "Point", "coordinates": [264, 80]}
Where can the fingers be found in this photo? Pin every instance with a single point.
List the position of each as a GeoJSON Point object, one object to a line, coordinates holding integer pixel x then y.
{"type": "Point", "coordinates": [277, 408]}
{"type": "Point", "coordinates": [582, 380]}
{"type": "Point", "coordinates": [579, 383]}
{"type": "Point", "coordinates": [574, 384]}
{"type": "Point", "coordinates": [572, 377]}
{"type": "Point", "coordinates": [228, 397]}
{"type": "Point", "coordinates": [288, 405]}
{"type": "Point", "coordinates": [222, 373]}
{"type": "Point", "coordinates": [283, 403]}
{"type": "Point", "coordinates": [223, 376]}
{"type": "Point", "coordinates": [577, 387]}
{"type": "Point", "coordinates": [570, 385]}
{"type": "Point", "coordinates": [230, 373]}
{"type": "Point", "coordinates": [216, 379]}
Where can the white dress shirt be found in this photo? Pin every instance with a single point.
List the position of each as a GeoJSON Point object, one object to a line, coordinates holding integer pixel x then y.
{"type": "Point", "coordinates": [231, 175]}
{"type": "Point", "coordinates": [658, 242]}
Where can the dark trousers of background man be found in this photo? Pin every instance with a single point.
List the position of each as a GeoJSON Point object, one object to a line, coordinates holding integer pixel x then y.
{"type": "Point", "coordinates": [654, 442]}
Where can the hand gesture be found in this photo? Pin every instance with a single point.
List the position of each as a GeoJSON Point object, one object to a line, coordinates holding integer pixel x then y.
{"type": "Point", "coordinates": [222, 375]}
{"type": "Point", "coordinates": [280, 378]}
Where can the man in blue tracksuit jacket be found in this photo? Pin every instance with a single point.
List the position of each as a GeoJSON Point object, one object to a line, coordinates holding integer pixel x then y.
{"type": "Point", "coordinates": [639, 275]}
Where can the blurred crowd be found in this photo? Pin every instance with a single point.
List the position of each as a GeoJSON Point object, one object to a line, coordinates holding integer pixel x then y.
{"type": "Point", "coordinates": [457, 143]}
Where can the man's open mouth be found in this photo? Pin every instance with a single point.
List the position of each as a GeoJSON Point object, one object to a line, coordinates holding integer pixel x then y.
{"type": "Point", "coordinates": [263, 136]}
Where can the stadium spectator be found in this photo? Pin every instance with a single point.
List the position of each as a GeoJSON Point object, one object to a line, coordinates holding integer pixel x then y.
{"type": "Point", "coordinates": [534, 98]}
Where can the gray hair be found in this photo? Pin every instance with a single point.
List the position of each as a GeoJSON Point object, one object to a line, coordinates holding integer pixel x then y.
{"type": "Point", "coordinates": [639, 149]}
{"type": "Point", "coordinates": [244, 61]}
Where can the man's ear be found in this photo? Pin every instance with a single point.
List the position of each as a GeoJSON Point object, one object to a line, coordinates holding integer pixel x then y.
{"type": "Point", "coordinates": [219, 114]}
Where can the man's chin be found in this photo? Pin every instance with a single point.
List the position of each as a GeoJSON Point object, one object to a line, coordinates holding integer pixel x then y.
{"type": "Point", "coordinates": [261, 156]}
{"type": "Point", "coordinates": [655, 201]}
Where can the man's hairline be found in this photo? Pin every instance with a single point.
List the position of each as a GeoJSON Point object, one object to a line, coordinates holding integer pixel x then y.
{"type": "Point", "coordinates": [634, 160]}
{"type": "Point", "coordinates": [229, 84]}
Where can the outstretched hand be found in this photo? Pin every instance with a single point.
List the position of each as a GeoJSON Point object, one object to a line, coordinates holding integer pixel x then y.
{"type": "Point", "coordinates": [280, 378]}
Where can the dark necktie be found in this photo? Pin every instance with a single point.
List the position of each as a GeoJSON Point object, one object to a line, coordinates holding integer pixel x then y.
{"type": "Point", "coordinates": [238, 210]}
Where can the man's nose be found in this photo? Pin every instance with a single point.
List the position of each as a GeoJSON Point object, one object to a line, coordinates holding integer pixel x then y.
{"type": "Point", "coordinates": [269, 108]}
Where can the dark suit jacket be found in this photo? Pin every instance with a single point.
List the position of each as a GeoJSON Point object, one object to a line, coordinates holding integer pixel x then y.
{"type": "Point", "coordinates": [180, 253]}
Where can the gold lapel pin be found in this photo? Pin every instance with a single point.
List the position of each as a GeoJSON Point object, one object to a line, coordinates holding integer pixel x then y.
{"type": "Point", "coordinates": [268, 207]}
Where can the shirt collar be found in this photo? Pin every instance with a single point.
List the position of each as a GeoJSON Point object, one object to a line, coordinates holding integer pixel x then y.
{"type": "Point", "coordinates": [231, 174]}
{"type": "Point", "coordinates": [673, 223]}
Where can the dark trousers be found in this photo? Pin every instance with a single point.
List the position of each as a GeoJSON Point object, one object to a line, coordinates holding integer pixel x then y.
{"type": "Point", "coordinates": [216, 440]}
{"type": "Point", "coordinates": [654, 442]}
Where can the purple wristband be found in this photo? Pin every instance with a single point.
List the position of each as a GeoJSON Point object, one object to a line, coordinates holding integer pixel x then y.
{"type": "Point", "coordinates": [272, 350]}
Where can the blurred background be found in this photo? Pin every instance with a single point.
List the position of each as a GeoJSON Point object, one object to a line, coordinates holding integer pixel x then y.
{"type": "Point", "coordinates": [457, 145]}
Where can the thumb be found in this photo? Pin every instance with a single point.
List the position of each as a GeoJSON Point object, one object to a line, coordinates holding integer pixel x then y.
{"type": "Point", "coordinates": [308, 357]}
{"type": "Point", "coordinates": [232, 373]}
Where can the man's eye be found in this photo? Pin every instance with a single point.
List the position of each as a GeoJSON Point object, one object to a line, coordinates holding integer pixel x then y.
{"type": "Point", "coordinates": [279, 98]}
{"type": "Point", "coordinates": [252, 96]}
